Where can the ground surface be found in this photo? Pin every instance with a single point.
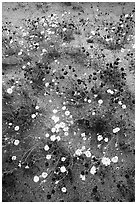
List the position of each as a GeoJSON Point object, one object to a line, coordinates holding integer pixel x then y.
{"type": "Point", "coordinates": [68, 102]}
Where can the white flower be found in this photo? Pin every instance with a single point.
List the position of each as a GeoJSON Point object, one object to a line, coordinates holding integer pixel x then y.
{"type": "Point", "coordinates": [16, 128]}
{"type": "Point", "coordinates": [64, 190]}
{"type": "Point", "coordinates": [16, 142]}
{"type": "Point", "coordinates": [106, 161]}
{"type": "Point", "coordinates": [67, 113]}
{"type": "Point", "coordinates": [44, 174]}
{"type": "Point", "coordinates": [9, 90]}
{"type": "Point", "coordinates": [63, 169]}
{"type": "Point", "coordinates": [46, 147]}
{"type": "Point", "coordinates": [36, 179]}
{"type": "Point", "coordinates": [114, 159]}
